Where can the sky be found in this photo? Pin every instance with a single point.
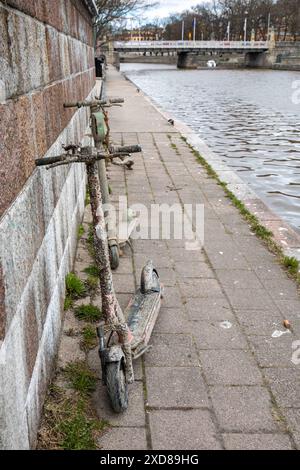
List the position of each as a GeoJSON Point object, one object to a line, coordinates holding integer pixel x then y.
{"type": "Point", "coordinates": [171, 6]}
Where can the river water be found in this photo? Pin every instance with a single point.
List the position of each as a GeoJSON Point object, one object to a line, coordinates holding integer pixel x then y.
{"type": "Point", "coordinates": [247, 117]}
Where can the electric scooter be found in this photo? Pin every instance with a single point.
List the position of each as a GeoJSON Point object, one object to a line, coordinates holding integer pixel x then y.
{"type": "Point", "coordinates": [120, 341]}
{"type": "Point", "coordinates": [100, 131]}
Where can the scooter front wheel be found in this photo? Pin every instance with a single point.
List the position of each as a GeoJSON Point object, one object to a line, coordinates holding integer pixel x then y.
{"type": "Point", "coordinates": [117, 387]}
{"type": "Point", "coordinates": [114, 256]}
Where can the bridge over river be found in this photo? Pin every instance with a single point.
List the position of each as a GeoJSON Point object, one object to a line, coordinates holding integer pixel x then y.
{"type": "Point", "coordinates": [192, 53]}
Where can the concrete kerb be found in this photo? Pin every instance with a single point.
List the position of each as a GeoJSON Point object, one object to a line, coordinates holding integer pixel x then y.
{"type": "Point", "coordinates": [284, 235]}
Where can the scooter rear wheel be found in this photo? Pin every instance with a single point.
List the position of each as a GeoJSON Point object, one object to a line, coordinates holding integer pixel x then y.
{"type": "Point", "coordinates": [117, 387]}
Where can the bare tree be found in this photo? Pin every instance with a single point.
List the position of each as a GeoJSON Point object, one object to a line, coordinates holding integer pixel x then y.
{"type": "Point", "coordinates": [113, 10]}
{"type": "Point", "coordinates": [214, 17]}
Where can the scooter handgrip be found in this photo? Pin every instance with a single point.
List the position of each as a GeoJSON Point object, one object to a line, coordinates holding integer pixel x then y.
{"type": "Point", "coordinates": [116, 100]}
{"type": "Point", "coordinates": [47, 161]}
{"type": "Point", "coordinates": [71, 105]}
{"type": "Point", "coordinates": [128, 149]}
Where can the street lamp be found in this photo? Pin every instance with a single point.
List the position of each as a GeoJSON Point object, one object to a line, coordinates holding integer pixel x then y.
{"type": "Point", "coordinates": [245, 26]}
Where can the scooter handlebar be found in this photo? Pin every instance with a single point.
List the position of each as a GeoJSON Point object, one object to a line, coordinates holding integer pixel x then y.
{"type": "Point", "coordinates": [48, 160]}
{"type": "Point", "coordinates": [127, 149]}
{"type": "Point", "coordinates": [116, 100]}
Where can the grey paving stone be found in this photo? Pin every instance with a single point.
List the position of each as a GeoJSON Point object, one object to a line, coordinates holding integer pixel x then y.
{"type": "Point", "coordinates": [292, 415]}
{"type": "Point", "coordinates": [170, 387]}
{"type": "Point", "coordinates": [243, 409]}
{"type": "Point", "coordinates": [220, 260]}
{"type": "Point", "coordinates": [159, 261]}
{"type": "Point", "coordinates": [257, 442]}
{"type": "Point", "coordinates": [290, 310]}
{"type": "Point", "coordinates": [184, 430]}
{"type": "Point", "coordinates": [225, 367]}
{"type": "Point", "coordinates": [170, 350]}
{"type": "Point", "coordinates": [172, 320]}
{"type": "Point", "coordinates": [123, 283]}
{"type": "Point", "coordinates": [172, 298]}
{"type": "Point", "coordinates": [200, 288]}
{"type": "Point", "coordinates": [125, 266]}
{"type": "Point", "coordinates": [260, 322]}
{"type": "Point", "coordinates": [283, 289]}
{"type": "Point", "coordinates": [133, 416]}
{"type": "Point", "coordinates": [193, 270]}
{"type": "Point", "coordinates": [296, 438]}
{"type": "Point", "coordinates": [123, 439]}
{"type": "Point", "coordinates": [285, 385]}
{"type": "Point", "coordinates": [270, 270]}
{"type": "Point", "coordinates": [239, 279]}
{"type": "Point", "coordinates": [249, 299]}
{"type": "Point", "coordinates": [208, 309]}
{"type": "Point", "coordinates": [273, 352]}
{"type": "Point", "coordinates": [213, 336]}
{"type": "Point", "coordinates": [187, 256]}
{"type": "Point", "coordinates": [168, 277]}
{"type": "Point", "coordinates": [69, 351]}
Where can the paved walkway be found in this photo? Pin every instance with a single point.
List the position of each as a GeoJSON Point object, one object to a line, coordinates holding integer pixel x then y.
{"type": "Point", "coordinates": [202, 386]}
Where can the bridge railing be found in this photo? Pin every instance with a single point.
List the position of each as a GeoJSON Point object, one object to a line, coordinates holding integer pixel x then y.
{"type": "Point", "coordinates": [191, 45]}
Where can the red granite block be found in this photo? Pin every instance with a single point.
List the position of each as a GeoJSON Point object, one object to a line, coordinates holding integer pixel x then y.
{"type": "Point", "coordinates": [52, 43]}
{"type": "Point", "coordinates": [26, 6]}
{"type": "Point", "coordinates": [26, 134]}
{"type": "Point", "coordinates": [53, 103]}
{"type": "Point", "coordinates": [12, 175]}
{"type": "Point", "coordinates": [40, 123]}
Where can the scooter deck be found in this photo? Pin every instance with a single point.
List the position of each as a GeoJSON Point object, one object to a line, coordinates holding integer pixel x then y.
{"type": "Point", "coordinates": [141, 315]}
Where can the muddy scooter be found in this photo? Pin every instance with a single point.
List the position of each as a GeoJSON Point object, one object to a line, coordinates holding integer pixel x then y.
{"type": "Point", "coordinates": [100, 131]}
{"type": "Point", "coordinates": [120, 341]}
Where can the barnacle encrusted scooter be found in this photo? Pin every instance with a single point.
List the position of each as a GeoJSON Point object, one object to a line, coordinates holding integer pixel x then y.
{"type": "Point", "coordinates": [122, 337]}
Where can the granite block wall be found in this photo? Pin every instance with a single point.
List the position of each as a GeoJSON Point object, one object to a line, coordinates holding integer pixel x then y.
{"type": "Point", "coordinates": [46, 59]}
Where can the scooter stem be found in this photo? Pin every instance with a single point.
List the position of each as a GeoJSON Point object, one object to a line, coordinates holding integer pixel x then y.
{"type": "Point", "coordinates": [111, 309]}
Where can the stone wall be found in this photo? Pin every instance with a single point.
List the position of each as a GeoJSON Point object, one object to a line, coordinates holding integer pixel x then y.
{"type": "Point", "coordinates": [46, 58]}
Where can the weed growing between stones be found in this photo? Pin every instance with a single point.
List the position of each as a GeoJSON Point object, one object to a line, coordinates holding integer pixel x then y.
{"type": "Point", "coordinates": [89, 338]}
{"type": "Point", "coordinates": [292, 264]}
{"type": "Point", "coordinates": [69, 422]}
{"type": "Point", "coordinates": [80, 232]}
{"type": "Point", "coordinates": [92, 270]}
{"type": "Point", "coordinates": [92, 283]}
{"type": "Point", "coordinates": [74, 286]}
{"type": "Point", "coordinates": [75, 289]}
{"type": "Point", "coordinates": [80, 377]}
{"type": "Point", "coordinates": [89, 313]}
